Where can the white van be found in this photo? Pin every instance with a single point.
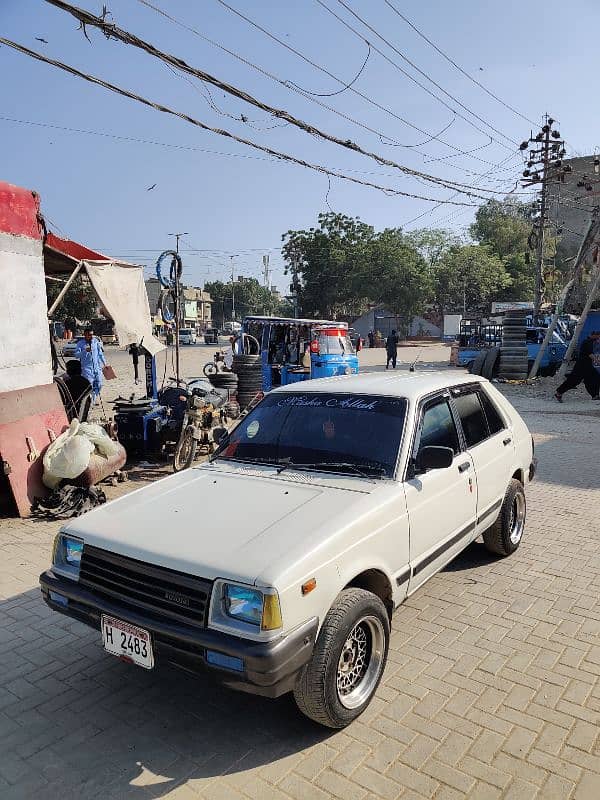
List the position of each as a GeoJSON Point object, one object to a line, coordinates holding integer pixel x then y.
{"type": "Point", "coordinates": [187, 336]}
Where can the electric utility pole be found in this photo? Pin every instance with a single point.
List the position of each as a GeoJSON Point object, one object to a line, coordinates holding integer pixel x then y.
{"type": "Point", "coordinates": [232, 289]}
{"type": "Point", "coordinates": [544, 164]}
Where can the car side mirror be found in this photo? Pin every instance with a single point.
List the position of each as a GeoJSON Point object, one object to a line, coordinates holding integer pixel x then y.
{"type": "Point", "coordinates": [434, 458]}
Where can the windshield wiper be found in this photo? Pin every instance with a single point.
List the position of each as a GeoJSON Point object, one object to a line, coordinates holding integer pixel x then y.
{"type": "Point", "coordinates": [364, 470]}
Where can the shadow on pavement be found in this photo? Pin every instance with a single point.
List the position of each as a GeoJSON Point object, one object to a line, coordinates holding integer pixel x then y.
{"type": "Point", "coordinates": [78, 723]}
{"type": "Point", "coordinates": [474, 556]}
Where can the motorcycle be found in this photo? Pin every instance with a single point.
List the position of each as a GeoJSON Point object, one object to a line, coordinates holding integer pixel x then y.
{"type": "Point", "coordinates": [206, 412]}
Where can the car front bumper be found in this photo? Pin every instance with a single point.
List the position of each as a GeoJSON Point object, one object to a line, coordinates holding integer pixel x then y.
{"type": "Point", "coordinates": [269, 669]}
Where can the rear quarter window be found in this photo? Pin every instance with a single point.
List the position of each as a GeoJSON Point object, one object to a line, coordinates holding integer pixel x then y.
{"type": "Point", "coordinates": [493, 416]}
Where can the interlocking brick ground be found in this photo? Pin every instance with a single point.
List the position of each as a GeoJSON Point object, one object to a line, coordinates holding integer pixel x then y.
{"type": "Point", "coordinates": [491, 691]}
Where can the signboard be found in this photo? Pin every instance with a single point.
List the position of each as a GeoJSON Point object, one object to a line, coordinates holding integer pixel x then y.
{"type": "Point", "coordinates": [191, 309]}
{"type": "Point", "coordinates": [498, 308]}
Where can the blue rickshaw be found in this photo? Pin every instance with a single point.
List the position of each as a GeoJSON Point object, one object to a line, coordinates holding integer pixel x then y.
{"type": "Point", "coordinates": [294, 350]}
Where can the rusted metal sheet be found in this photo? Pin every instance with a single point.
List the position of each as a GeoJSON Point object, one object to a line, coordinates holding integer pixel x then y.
{"type": "Point", "coordinates": [29, 420]}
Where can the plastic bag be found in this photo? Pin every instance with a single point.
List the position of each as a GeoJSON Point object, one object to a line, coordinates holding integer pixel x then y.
{"type": "Point", "coordinates": [104, 445]}
{"type": "Point", "coordinates": [67, 457]}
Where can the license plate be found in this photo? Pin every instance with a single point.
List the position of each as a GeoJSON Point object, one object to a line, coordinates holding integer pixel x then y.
{"type": "Point", "coordinates": [127, 641]}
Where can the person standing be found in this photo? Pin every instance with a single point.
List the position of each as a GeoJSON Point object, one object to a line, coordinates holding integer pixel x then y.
{"type": "Point", "coordinates": [391, 349]}
{"type": "Point", "coordinates": [584, 370]}
{"type": "Point", "coordinates": [371, 337]}
{"type": "Point", "coordinates": [134, 352]}
{"type": "Point", "coordinates": [91, 355]}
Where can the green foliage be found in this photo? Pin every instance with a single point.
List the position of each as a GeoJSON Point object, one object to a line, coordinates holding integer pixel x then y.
{"type": "Point", "coordinates": [250, 298]}
{"type": "Point", "coordinates": [432, 243]}
{"type": "Point", "coordinates": [504, 227]}
{"type": "Point", "coordinates": [328, 263]}
{"type": "Point", "coordinates": [469, 274]}
{"type": "Point", "coordinates": [80, 302]}
{"type": "Point", "coordinates": [403, 280]}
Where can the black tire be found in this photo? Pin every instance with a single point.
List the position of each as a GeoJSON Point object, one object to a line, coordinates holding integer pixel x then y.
{"type": "Point", "coordinates": [489, 365]}
{"type": "Point", "coordinates": [318, 691]}
{"type": "Point", "coordinates": [505, 535]}
{"type": "Point", "coordinates": [185, 451]}
{"type": "Point", "coordinates": [209, 369]}
{"type": "Point", "coordinates": [478, 363]}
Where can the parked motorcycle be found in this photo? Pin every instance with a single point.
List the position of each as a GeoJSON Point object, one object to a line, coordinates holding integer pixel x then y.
{"type": "Point", "coordinates": [205, 412]}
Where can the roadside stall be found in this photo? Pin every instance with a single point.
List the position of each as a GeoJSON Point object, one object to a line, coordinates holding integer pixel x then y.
{"type": "Point", "coordinates": [32, 414]}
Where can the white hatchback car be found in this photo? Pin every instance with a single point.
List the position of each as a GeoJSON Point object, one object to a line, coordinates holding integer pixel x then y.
{"type": "Point", "coordinates": [332, 502]}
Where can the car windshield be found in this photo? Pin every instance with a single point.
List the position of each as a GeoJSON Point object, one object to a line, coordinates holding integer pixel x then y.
{"type": "Point", "coordinates": [335, 432]}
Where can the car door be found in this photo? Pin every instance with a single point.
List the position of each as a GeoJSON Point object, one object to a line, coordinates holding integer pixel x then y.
{"type": "Point", "coordinates": [441, 503]}
{"type": "Point", "coordinates": [489, 442]}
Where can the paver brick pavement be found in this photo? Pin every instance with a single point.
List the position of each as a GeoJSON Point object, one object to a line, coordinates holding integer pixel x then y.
{"type": "Point", "coordinates": [492, 688]}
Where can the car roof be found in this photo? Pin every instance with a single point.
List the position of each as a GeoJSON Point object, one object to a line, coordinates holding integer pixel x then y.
{"type": "Point", "coordinates": [411, 385]}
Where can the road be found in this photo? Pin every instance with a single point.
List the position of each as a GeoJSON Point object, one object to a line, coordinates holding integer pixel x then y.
{"type": "Point", "coordinates": [492, 688]}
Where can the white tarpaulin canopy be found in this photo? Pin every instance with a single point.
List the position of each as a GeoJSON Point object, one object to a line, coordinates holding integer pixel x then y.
{"type": "Point", "coordinates": [121, 290]}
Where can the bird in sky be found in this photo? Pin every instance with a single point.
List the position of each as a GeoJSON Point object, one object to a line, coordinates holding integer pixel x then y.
{"type": "Point", "coordinates": [149, 189]}
{"type": "Point", "coordinates": [39, 39]}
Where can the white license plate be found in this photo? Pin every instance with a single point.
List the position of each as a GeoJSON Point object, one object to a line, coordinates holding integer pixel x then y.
{"type": "Point", "coordinates": [127, 641]}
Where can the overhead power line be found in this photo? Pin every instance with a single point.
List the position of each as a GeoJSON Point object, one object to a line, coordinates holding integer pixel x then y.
{"type": "Point", "coordinates": [111, 30]}
{"type": "Point", "coordinates": [366, 98]}
{"type": "Point", "coordinates": [421, 72]}
{"type": "Point", "coordinates": [454, 64]}
{"type": "Point", "coordinates": [220, 131]}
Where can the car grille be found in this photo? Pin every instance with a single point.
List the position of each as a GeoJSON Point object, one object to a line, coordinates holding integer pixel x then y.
{"type": "Point", "coordinates": [161, 592]}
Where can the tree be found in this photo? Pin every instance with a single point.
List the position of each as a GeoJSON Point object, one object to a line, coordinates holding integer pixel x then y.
{"type": "Point", "coordinates": [401, 278]}
{"type": "Point", "coordinates": [432, 243]}
{"type": "Point", "coordinates": [250, 298]}
{"type": "Point", "coordinates": [80, 301]}
{"type": "Point", "coordinates": [469, 276]}
{"type": "Point", "coordinates": [505, 227]}
{"type": "Point", "coordinates": [328, 265]}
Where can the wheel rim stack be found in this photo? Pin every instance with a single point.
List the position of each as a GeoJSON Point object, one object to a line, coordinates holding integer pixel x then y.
{"type": "Point", "coordinates": [513, 353]}
{"type": "Point", "coordinates": [248, 369]}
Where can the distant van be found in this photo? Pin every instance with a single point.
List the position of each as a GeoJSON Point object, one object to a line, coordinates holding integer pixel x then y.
{"type": "Point", "coordinates": [187, 336]}
{"type": "Point", "coordinates": [232, 327]}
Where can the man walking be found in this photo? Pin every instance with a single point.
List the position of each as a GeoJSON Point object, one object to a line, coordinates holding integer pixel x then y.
{"type": "Point", "coordinates": [391, 349]}
{"type": "Point", "coordinates": [91, 355]}
{"type": "Point", "coordinates": [584, 370]}
{"type": "Point", "coordinates": [134, 352]}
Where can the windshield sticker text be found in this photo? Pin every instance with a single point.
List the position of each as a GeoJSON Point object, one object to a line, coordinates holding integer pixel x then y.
{"type": "Point", "coordinates": [355, 403]}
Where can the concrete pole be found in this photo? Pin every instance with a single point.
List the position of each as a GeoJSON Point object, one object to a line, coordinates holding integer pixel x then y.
{"type": "Point", "coordinates": [593, 289]}
{"type": "Point", "coordinates": [577, 270]}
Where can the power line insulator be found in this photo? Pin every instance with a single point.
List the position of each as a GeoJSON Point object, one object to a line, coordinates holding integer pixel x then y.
{"type": "Point", "coordinates": [555, 134]}
{"type": "Point", "coordinates": [523, 145]}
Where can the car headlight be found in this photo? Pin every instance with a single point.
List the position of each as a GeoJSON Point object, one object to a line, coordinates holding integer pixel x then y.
{"type": "Point", "coordinates": [245, 608]}
{"type": "Point", "coordinates": [66, 558]}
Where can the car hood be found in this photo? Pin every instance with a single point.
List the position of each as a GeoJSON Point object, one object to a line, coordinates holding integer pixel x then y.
{"type": "Point", "coordinates": [220, 521]}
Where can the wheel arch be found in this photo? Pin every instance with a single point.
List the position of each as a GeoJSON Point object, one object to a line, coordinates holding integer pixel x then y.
{"type": "Point", "coordinates": [519, 475]}
{"type": "Point", "coordinates": [377, 582]}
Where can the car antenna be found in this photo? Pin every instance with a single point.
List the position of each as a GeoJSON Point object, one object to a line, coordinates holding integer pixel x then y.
{"type": "Point", "coordinates": [412, 366]}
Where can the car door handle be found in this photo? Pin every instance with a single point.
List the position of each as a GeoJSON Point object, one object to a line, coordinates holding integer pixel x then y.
{"type": "Point", "coordinates": [506, 441]}
{"type": "Point", "coordinates": [464, 466]}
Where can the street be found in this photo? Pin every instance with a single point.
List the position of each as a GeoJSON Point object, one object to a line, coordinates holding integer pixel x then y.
{"type": "Point", "coordinates": [491, 688]}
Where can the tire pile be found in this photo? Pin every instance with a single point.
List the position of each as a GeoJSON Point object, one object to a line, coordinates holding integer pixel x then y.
{"type": "Point", "coordinates": [248, 371]}
{"type": "Point", "coordinates": [224, 380]}
{"type": "Point", "coordinates": [513, 353]}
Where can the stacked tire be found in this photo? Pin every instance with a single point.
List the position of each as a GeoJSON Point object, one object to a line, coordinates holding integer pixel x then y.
{"type": "Point", "coordinates": [224, 380]}
{"type": "Point", "coordinates": [513, 353]}
{"type": "Point", "coordinates": [249, 375]}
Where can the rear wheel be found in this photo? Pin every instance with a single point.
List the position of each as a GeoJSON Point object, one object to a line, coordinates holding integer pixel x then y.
{"type": "Point", "coordinates": [339, 681]}
{"type": "Point", "coordinates": [505, 535]}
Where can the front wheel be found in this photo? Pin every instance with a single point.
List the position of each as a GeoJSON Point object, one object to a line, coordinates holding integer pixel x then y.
{"type": "Point", "coordinates": [185, 451]}
{"type": "Point", "coordinates": [505, 535]}
{"type": "Point", "coordinates": [339, 681]}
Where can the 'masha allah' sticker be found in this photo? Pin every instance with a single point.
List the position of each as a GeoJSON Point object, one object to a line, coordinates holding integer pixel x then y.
{"type": "Point", "coordinates": [252, 429]}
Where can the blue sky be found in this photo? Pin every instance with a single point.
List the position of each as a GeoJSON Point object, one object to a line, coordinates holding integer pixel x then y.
{"type": "Point", "coordinates": [234, 201]}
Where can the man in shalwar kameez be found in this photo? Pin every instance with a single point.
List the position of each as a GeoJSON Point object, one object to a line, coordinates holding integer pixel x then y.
{"type": "Point", "coordinates": [91, 355]}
